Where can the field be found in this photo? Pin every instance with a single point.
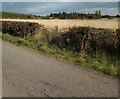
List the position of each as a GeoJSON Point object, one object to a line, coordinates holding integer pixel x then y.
{"type": "Point", "coordinates": [62, 24]}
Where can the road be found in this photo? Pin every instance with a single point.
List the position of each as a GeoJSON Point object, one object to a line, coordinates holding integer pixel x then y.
{"type": "Point", "coordinates": [27, 73]}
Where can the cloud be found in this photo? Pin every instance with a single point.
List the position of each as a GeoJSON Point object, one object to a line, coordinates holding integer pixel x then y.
{"type": "Point", "coordinates": [37, 9]}
{"type": "Point", "coordinates": [108, 11]}
{"type": "Point", "coordinates": [45, 8]}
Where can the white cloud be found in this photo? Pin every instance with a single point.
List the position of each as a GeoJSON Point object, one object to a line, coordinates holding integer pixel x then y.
{"type": "Point", "coordinates": [37, 9]}
{"type": "Point", "coordinates": [109, 11]}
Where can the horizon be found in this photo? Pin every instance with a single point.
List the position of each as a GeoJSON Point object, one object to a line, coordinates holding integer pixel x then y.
{"type": "Point", "coordinates": [56, 13]}
{"type": "Point", "coordinates": [46, 8]}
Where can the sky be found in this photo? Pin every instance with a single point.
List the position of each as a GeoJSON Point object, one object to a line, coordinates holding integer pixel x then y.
{"type": "Point", "coordinates": [45, 8]}
{"type": "Point", "coordinates": [60, 0]}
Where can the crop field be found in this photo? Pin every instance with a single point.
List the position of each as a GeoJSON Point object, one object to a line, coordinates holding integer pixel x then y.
{"type": "Point", "coordinates": [62, 24]}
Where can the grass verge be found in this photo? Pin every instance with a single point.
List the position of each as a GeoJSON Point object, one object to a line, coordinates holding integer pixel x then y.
{"type": "Point", "coordinates": [100, 62]}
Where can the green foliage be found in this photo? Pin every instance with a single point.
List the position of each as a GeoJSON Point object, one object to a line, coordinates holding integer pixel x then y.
{"type": "Point", "coordinates": [110, 17]}
{"type": "Point", "coordinates": [75, 15]}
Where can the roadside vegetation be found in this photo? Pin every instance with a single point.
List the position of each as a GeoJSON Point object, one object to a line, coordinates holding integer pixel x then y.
{"type": "Point", "coordinates": [75, 46]}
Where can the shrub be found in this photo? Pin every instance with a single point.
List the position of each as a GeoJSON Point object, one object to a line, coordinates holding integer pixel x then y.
{"type": "Point", "coordinates": [22, 29]}
{"type": "Point", "coordinates": [87, 38]}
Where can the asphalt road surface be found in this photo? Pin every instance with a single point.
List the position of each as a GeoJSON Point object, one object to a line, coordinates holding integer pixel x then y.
{"type": "Point", "coordinates": [26, 73]}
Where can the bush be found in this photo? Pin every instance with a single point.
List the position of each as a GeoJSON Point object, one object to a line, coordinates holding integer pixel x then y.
{"type": "Point", "coordinates": [22, 29]}
{"type": "Point", "coordinates": [88, 38]}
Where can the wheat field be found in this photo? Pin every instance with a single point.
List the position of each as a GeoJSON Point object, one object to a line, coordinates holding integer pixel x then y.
{"type": "Point", "coordinates": [62, 24]}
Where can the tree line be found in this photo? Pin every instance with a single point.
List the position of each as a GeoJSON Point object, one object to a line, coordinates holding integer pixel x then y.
{"type": "Point", "coordinates": [60, 15]}
{"type": "Point", "coordinates": [76, 15]}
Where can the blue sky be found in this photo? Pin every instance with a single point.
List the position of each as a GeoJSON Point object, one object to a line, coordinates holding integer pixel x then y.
{"type": "Point", "coordinates": [45, 8]}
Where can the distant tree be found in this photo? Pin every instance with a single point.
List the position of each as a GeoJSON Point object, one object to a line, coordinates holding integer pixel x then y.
{"type": "Point", "coordinates": [117, 16]}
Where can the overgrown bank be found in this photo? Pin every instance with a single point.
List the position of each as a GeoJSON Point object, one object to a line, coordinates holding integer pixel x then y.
{"type": "Point", "coordinates": [79, 45]}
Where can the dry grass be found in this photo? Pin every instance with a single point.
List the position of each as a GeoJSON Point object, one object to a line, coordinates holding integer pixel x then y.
{"type": "Point", "coordinates": [63, 24]}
